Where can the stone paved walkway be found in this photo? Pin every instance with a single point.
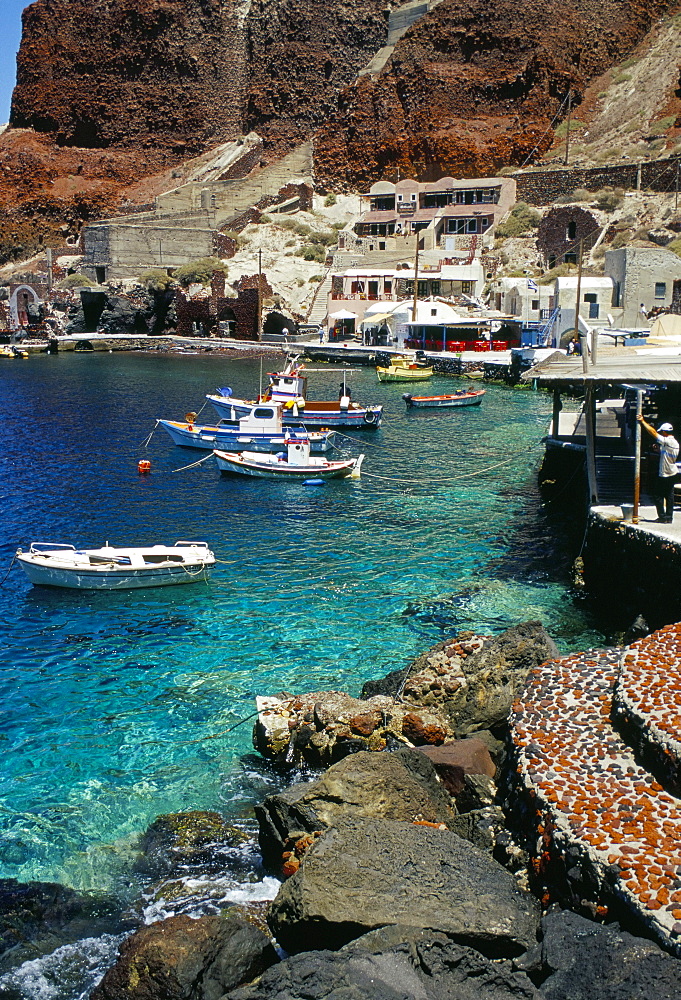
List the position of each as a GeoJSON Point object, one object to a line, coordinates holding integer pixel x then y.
{"type": "Point", "coordinates": [588, 785]}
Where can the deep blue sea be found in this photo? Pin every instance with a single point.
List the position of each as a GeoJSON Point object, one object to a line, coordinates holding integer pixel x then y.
{"type": "Point", "coordinates": [112, 705]}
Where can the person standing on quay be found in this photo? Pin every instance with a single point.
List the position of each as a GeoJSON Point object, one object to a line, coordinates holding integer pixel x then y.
{"type": "Point", "coordinates": [667, 472]}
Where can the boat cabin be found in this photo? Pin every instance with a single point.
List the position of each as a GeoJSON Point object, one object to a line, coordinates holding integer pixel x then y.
{"type": "Point", "coordinates": [287, 386]}
{"type": "Point", "coordinates": [265, 418]}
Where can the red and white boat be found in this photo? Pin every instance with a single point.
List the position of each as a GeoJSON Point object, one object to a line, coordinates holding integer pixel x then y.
{"type": "Point", "coordinates": [463, 397]}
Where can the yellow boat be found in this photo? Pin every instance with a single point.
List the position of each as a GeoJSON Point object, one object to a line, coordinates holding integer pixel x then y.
{"type": "Point", "coordinates": [403, 369]}
{"type": "Point", "coordinates": [12, 352]}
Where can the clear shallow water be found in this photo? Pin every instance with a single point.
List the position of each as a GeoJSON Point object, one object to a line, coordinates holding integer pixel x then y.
{"type": "Point", "coordinates": [112, 706]}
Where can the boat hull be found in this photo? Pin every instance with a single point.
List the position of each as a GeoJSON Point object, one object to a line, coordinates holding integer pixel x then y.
{"type": "Point", "coordinates": [50, 565]}
{"type": "Point", "coordinates": [357, 417]}
{"type": "Point", "coordinates": [444, 402]}
{"type": "Point", "coordinates": [207, 438]}
{"type": "Point", "coordinates": [84, 579]}
{"type": "Point", "coordinates": [234, 463]}
{"type": "Point", "coordinates": [403, 375]}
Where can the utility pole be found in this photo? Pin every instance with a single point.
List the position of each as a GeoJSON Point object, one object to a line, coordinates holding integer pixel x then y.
{"type": "Point", "coordinates": [580, 339]}
{"type": "Point", "coordinates": [416, 279]}
{"type": "Point", "coordinates": [50, 273]}
{"type": "Point", "coordinates": [567, 133]}
{"type": "Point", "coordinates": [676, 197]}
{"type": "Point", "coordinates": [260, 294]}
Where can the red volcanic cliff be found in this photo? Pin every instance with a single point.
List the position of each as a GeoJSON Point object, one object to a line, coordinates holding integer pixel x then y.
{"type": "Point", "coordinates": [111, 91]}
{"type": "Point", "coordinates": [475, 85]}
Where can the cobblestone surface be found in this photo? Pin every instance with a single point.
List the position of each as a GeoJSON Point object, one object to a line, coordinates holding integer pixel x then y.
{"type": "Point", "coordinates": [599, 801]}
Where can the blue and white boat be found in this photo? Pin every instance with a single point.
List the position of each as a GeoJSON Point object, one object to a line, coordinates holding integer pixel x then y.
{"type": "Point", "coordinates": [295, 463]}
{"type": "Point", "coordinates": [260, 429]}
{"type": "Point", "coordinates": [289, 387]}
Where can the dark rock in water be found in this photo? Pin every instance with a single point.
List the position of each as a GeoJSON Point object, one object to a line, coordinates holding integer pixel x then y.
{"type": "Point", "coordinates": [185, 959]}
{"type": "Point", "coordinates": [471, 681]}
{"type": "Point", "coordinates": [178, 841]}
{"type": "Point", "coordinates": [363, 874]}
{"type": "Point", "coordinates": [638, 629]}
{"type": "Point", "coordinates": [401, 785]}
{"type": "Point", "coordinates": [584, 960]}
{"type": "Point", "coordinates": [37, 917]}
{"type": "Point", "coordinates": [393, 963]}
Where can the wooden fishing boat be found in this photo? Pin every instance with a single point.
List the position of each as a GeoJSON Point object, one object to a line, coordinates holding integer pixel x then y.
{"type": "Point", "coordinates": [261, 429]}
{"type": "Point", "coordinates": [296, 464]}
{"type": "Point", "coordinates": [50, 564]}
{"type": "Point", "coordinates": [289, 387]}
{"type": "Point", "coordinates": [463, 397]}
{"type": "Point", "coordinates": [403, 369]}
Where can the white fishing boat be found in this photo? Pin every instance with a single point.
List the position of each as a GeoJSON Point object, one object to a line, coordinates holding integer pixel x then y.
{"type": "Point", "coordinates": [296, 464]}
{"type": "Point", "coordinates": [260, 429]}
{"type": "Point", "coordinates": [289, 387]}
{"type": "Point", "coordinates": [50, 564]}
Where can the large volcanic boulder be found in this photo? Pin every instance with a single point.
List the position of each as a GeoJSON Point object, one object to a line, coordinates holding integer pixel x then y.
{"type": "Point", "coordinates": [583, 960]}
{"type": "Point", "coordinates": [399, 786]}
{"type": "Point", "coordinates": [185, 959]}
{"type": "Point", "coordinates": [364, 874]}
{"type": "Point", "coordinates": [393, 963]}
{"type": "Point", "coordinates": [471, 681]}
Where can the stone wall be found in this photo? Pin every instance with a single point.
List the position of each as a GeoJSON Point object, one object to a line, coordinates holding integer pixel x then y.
{"type": "Point", "coordinates": [562, 228]}
{"type": "Point", "coordinates": [541, 187]}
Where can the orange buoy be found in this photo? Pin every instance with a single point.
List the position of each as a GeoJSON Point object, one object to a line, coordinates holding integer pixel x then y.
{"type": "Point", "coordinates": [144, 466]}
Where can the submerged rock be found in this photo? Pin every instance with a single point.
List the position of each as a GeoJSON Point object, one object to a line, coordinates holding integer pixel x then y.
{"type": "Point", "coordinates": [185, 959]}
{"type": "Point", "coordinates": [470, 682]}
{"type": "Point", "coordinates": [176, 842]}
{"type": "Point", "coordinates": [37, 917]}
{"type": "Point", "coordinates": [393, 963]}
{"type": "Point", "coordinates": [401, 786]}
{"type": "Point", "coordinates": [363, 874]}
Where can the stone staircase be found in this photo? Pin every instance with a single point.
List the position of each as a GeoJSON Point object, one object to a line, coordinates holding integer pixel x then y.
{"type": "Point", "coordinates": [582, 728]}
{"type": "Point", "coordinates": [399, 21]}
{"type": "Point", "coordinates": [317, 310]}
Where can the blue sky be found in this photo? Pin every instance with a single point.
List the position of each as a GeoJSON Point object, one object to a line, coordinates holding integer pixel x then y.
{"type": "Point", "coordinates": [10, 36]}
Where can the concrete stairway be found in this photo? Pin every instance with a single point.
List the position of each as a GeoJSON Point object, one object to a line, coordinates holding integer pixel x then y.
{"type": "Point", "coordinates": [594, 801]}
{"type": "Point", "coordinates": [319, 305]}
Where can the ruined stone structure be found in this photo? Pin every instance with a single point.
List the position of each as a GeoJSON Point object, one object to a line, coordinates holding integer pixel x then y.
{"type": "Point", "coordinates": [561, 231]}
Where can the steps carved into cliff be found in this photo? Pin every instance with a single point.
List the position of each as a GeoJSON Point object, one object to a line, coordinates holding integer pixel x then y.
{"type": "Point", "coordinates": [400, 20]}
{"type": "Point", "coordinates": [596, 805]}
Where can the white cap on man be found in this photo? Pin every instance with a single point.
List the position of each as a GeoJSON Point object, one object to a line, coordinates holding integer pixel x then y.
{"type": "Point", "coordinates": [665, 428]}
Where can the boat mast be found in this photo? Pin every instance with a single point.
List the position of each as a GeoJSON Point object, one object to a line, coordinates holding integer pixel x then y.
{"type": "Point", "coordinates": [416, 278]}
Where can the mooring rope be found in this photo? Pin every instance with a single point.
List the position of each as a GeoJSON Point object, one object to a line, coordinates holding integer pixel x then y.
{"type": "Point", "coordinates": [448, 479]}
{"type": "Point", "coordinates": [145, 443]}
{"type": "Point", "coordinates": [194, 464]}
{"type": "Point", "coordinates": [14, 559]}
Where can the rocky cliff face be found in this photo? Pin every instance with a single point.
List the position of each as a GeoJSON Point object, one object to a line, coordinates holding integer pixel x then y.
{"type": "Point", "coordinates": [475, 85]}
{"type": "Point", "coordinates": [111, 91]}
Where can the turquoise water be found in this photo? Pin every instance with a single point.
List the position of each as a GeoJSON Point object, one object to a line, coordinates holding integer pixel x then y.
{"type": "Point", "coordinates": [115, 706]}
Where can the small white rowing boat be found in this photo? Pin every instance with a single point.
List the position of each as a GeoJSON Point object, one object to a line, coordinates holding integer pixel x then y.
{"type": "Point", "coordinates": [49, 564]}
{"type": "Point", "coordinates": [296, 463]}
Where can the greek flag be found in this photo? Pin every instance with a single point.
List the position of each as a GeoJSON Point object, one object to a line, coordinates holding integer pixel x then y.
{"type": "Point", "coordinates": [532, 285]}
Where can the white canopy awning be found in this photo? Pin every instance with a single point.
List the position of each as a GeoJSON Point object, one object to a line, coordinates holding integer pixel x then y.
{"type": "Point", "coordinates": [343, 314]}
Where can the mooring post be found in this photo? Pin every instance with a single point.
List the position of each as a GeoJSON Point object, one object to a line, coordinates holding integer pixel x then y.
{"type": "Point", "coordinates": [637, 455]}
{"type": "Point", "coordinates": [590, 428]}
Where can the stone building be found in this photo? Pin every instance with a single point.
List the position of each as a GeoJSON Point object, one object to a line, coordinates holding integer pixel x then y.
{"type": "Point", "coordinates": [643, 281]}
{"type": "Point", "coordinates": [560, 232]}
